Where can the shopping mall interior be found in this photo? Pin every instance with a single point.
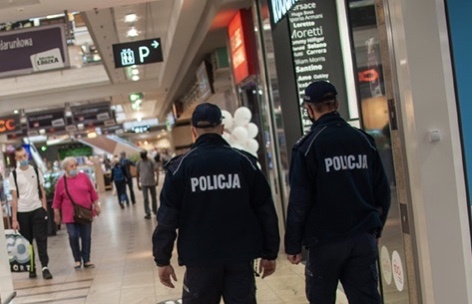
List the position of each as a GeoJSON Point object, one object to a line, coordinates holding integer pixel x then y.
{"type": "Point", "coordinates": [93, 79]}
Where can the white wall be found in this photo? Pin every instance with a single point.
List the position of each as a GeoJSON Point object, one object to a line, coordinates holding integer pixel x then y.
{"type": "Point", "coordinates": [436, 173]}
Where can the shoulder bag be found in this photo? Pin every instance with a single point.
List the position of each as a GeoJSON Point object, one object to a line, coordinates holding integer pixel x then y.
{"type": "Point", "coordinates": [82, 215]}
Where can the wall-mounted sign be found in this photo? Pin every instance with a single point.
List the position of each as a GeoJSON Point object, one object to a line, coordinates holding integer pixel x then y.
{"type": "Point", "coordinates": [137, 52]}
{"type": "Point", "coordinates": [92, 115]}
{"type": "Point", "coordinates": [33, 49]}
{"type": "Point", "coordinates": [316, 48]}
{"type": "Point", "coordinates": [10, 124]}
{"type": "Point", "coordinates": [279, 8]}
{"type": "Point", "coordinates": [240, 46]}
{"type": "Point", "coordinates": [49, 121]}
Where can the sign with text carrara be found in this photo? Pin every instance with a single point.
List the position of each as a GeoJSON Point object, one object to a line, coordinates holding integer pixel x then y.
{"type": "Point", "coordinates": [137, 52]}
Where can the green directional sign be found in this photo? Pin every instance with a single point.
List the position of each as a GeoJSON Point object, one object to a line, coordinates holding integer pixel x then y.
{"type": "Point", "coordinates": [137, 52]}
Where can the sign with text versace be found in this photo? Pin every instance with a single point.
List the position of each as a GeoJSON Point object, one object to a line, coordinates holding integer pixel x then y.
{"type": "Point", "coordinates": [34, 49]}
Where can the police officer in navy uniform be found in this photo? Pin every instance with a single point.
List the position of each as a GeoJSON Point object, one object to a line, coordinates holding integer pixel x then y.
{"type": "Point", "coordinates": [338, 205]}
{"type": "Point", "coordinates": [221, 203]}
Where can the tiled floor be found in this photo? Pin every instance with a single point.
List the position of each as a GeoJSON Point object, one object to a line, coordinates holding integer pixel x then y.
{"type": "Point", "coordinates": [125, 271]}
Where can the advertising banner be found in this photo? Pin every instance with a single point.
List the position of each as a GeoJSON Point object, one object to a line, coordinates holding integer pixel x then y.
{"type": "Point", "coordinates": [34, 49]}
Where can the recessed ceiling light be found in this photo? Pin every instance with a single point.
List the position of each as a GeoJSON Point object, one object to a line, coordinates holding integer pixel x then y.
{"type": "Point", "coordinates": [135, 78]}
{"type": "Point", "coordinates": [132, 32]}
{"type": "Point", "coordinates": [135, 72]}
{"type": "Point", "coordinates": [130, 18]}
{"type": "Point", "coordinates": [16, 112]}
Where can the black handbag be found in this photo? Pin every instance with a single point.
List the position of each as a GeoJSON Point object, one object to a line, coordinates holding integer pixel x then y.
{"type": "Point", "coordinates": [82, 215]}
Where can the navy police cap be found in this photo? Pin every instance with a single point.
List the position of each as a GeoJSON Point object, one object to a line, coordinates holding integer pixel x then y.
{"type": "Point", "coordinates": [319, 91]}
{"type": "Point", "coordinates": [206, 115]}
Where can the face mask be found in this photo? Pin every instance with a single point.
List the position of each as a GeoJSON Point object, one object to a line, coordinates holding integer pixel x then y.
{"type": "Point", "coordinates": [24, 163]}
{"type": "Point", "coordinates": [73, 172]}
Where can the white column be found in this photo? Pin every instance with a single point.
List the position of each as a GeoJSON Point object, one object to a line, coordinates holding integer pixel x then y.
{"type": "Point", "coordinates": [436, 171]}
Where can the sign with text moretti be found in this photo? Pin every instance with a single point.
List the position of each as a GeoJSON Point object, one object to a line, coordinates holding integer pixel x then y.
{"type": "Point", "coordinates": [137, 52]}
{"type": "Point", "coordinates": [316, 48]}
{"type": "Point", "coordinates": [31, 50]}
{"type": "Point", "coordinates": [93, 115]}
{"type": "Point", "coordinates": [50, 121]}
{"type": "Point", "coordinates": [10, 124]}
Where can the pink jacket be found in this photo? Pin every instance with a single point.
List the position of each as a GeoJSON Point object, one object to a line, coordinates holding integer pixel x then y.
{"type": "Point", "coordinates": [82, 192]}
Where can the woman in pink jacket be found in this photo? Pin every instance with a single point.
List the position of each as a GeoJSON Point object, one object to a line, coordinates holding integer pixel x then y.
{"type": "Point", "coordinates": [82, 193]}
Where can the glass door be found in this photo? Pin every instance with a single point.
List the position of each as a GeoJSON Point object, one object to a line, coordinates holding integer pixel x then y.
{"type": "Point", "coordinates": [377, 108]}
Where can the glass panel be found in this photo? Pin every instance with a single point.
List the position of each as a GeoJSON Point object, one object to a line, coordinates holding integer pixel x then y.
{"type": "Point", "coordinates": [266, 50]}
{"type": "Point", "coordinates": [375, 121]}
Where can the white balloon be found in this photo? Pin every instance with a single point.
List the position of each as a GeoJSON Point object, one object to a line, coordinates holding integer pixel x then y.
{"type": "Point", "coordinates": [227, 120]}
{"type": "Point", "coordinates": [242, 116]}
{"type": "Point", "coordinates": [239, 135]}
{"type": "Point", "coordinates": [252, 145]}
{"type": "Point", "coordinates": [252, 130]}
{"type": "Point", "coordinates": [226, 136]}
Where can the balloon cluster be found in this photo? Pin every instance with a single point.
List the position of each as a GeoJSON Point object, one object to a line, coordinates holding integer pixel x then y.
{"type": "Point", "coordinates": [239, 131]}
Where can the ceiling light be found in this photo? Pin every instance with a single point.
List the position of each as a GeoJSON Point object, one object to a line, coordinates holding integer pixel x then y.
{"type": "Point", "coordinates": [130, 18]}
{"type": "Point", "coordinates": [135, 78]}
{"type": "Point", "coordinates": [132, 32]}
{"type": "Point", "coordinates": [135, 72]}
{"type": "Point", "coordinates": [16, 112]}
{"type": "Point", "coordinates": [139, 118]}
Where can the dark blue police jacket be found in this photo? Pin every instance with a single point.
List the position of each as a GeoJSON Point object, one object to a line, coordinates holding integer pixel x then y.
{"type": "Point", "coordinates": [338, 186]}
{"type": "Point", "coordinates": [221, 204]}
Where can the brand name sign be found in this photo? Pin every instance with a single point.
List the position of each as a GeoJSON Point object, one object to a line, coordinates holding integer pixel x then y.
{"type": "Point", "coordinates": [280, 8]}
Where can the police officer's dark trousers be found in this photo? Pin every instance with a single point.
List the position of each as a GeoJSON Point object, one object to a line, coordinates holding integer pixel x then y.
{"type": "Point", "coordinates": [352, 261]}
{"type": "Point", "coordinates": [234, 282]}
{"type": "Point", "coordinates": [34, 225]}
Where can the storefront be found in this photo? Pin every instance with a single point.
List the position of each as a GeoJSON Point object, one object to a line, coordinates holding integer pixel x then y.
{"type": "Point", "coordinates": [386, 80]}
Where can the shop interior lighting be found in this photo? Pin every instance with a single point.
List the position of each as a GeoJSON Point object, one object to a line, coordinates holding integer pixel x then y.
{"type": "Point", "coordinates": [132, 32]}
{"type": "Point", "coordinates": [135, 72]}
{"type": "Point", "coordinates": [130, 18]}
{"type": "Point", "coordinates": [16, 112]}
{"type": "Point", "coordinates": [135, 78]}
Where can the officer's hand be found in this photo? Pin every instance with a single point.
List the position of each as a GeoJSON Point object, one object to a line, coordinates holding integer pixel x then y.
{"type": "Point", "coordinates": [139, 187]}
{"type": "Point", "coordinates": [165, 273]}
{"type": "Point", "coordinates": [267, 267]}
{"type": "Point", "coordinates": [294, 259]}
{"type": "Point", "coordinates": [15, 225]}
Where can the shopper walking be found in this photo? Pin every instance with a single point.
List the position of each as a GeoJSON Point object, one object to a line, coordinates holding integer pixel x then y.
{"type": "Point", "coordinates": [29, 209]}
{"type": "Point", "coordinates": [339, 201]}
{"type": "Point", "coordinates": [75, 186]}
{"type": "Point", "coordinates": [118, 176]}
{"type": "Point", "coordinates": [147, 175]}
{"type": "Point", "coordinates": [220, 202]}
{"type": "Point", "coordinates": [127, 163]}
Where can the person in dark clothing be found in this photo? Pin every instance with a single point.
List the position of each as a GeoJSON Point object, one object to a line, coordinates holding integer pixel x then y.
{"type": "Point", "coordinates": [338, 205]}
{"type": "Point", "coordinates": [222, 205]}
{"type": "Point", "coordinates": [126, 163]}
{"type": "Point", "coordinates": [119, 177]}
